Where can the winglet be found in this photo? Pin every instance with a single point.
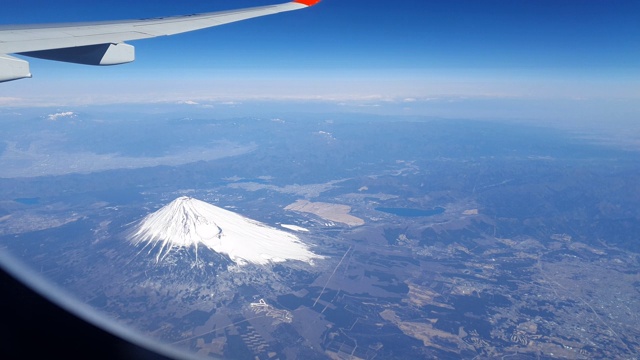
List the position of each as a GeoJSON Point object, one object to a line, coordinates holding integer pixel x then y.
{"type": "Point", "coordinates": [307, 2]}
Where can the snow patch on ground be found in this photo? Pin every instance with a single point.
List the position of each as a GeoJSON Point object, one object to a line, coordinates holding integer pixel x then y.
{"type": "Point", "coordinates": [294, 228]}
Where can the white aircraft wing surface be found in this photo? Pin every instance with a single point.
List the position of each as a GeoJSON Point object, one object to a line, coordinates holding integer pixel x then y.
{"type": "Point", "coordinates": [102, 43]}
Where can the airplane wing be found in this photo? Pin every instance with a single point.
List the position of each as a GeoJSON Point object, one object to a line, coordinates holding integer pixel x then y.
{"type": "Point", "coordinates": [103, 43]}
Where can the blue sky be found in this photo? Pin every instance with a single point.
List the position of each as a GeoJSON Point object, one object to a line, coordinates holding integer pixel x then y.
{"type": "Point", "coordinates": [356, 49]}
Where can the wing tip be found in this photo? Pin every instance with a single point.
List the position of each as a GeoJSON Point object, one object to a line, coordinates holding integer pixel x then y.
{"type": "Point", "coordinates": [307, 2]}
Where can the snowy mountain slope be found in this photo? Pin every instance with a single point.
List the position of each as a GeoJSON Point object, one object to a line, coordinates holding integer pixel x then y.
{"type": "Point", "coordinates": [188, 222]}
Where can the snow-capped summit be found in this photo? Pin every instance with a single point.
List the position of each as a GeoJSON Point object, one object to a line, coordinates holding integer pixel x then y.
{"type": "Point", "coordinates": [187, 222]}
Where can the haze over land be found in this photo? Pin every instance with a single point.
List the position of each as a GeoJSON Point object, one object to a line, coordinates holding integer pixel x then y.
{"type": "Point", "coordinates": [453, 59]}
{"type": "Point", "coordinates": [457, 238]}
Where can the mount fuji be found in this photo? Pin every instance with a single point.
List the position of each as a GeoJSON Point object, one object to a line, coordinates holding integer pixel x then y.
{"type": "Point", "coordinates": [188, 223]}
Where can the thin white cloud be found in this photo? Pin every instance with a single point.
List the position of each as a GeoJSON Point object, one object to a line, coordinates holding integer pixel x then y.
{"type": "Point", "coordinates": [308, 191]}
{"type": "Point", "coordinates": [9, 101]}
{"type": "Point", "coordinates": [56, 116]}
